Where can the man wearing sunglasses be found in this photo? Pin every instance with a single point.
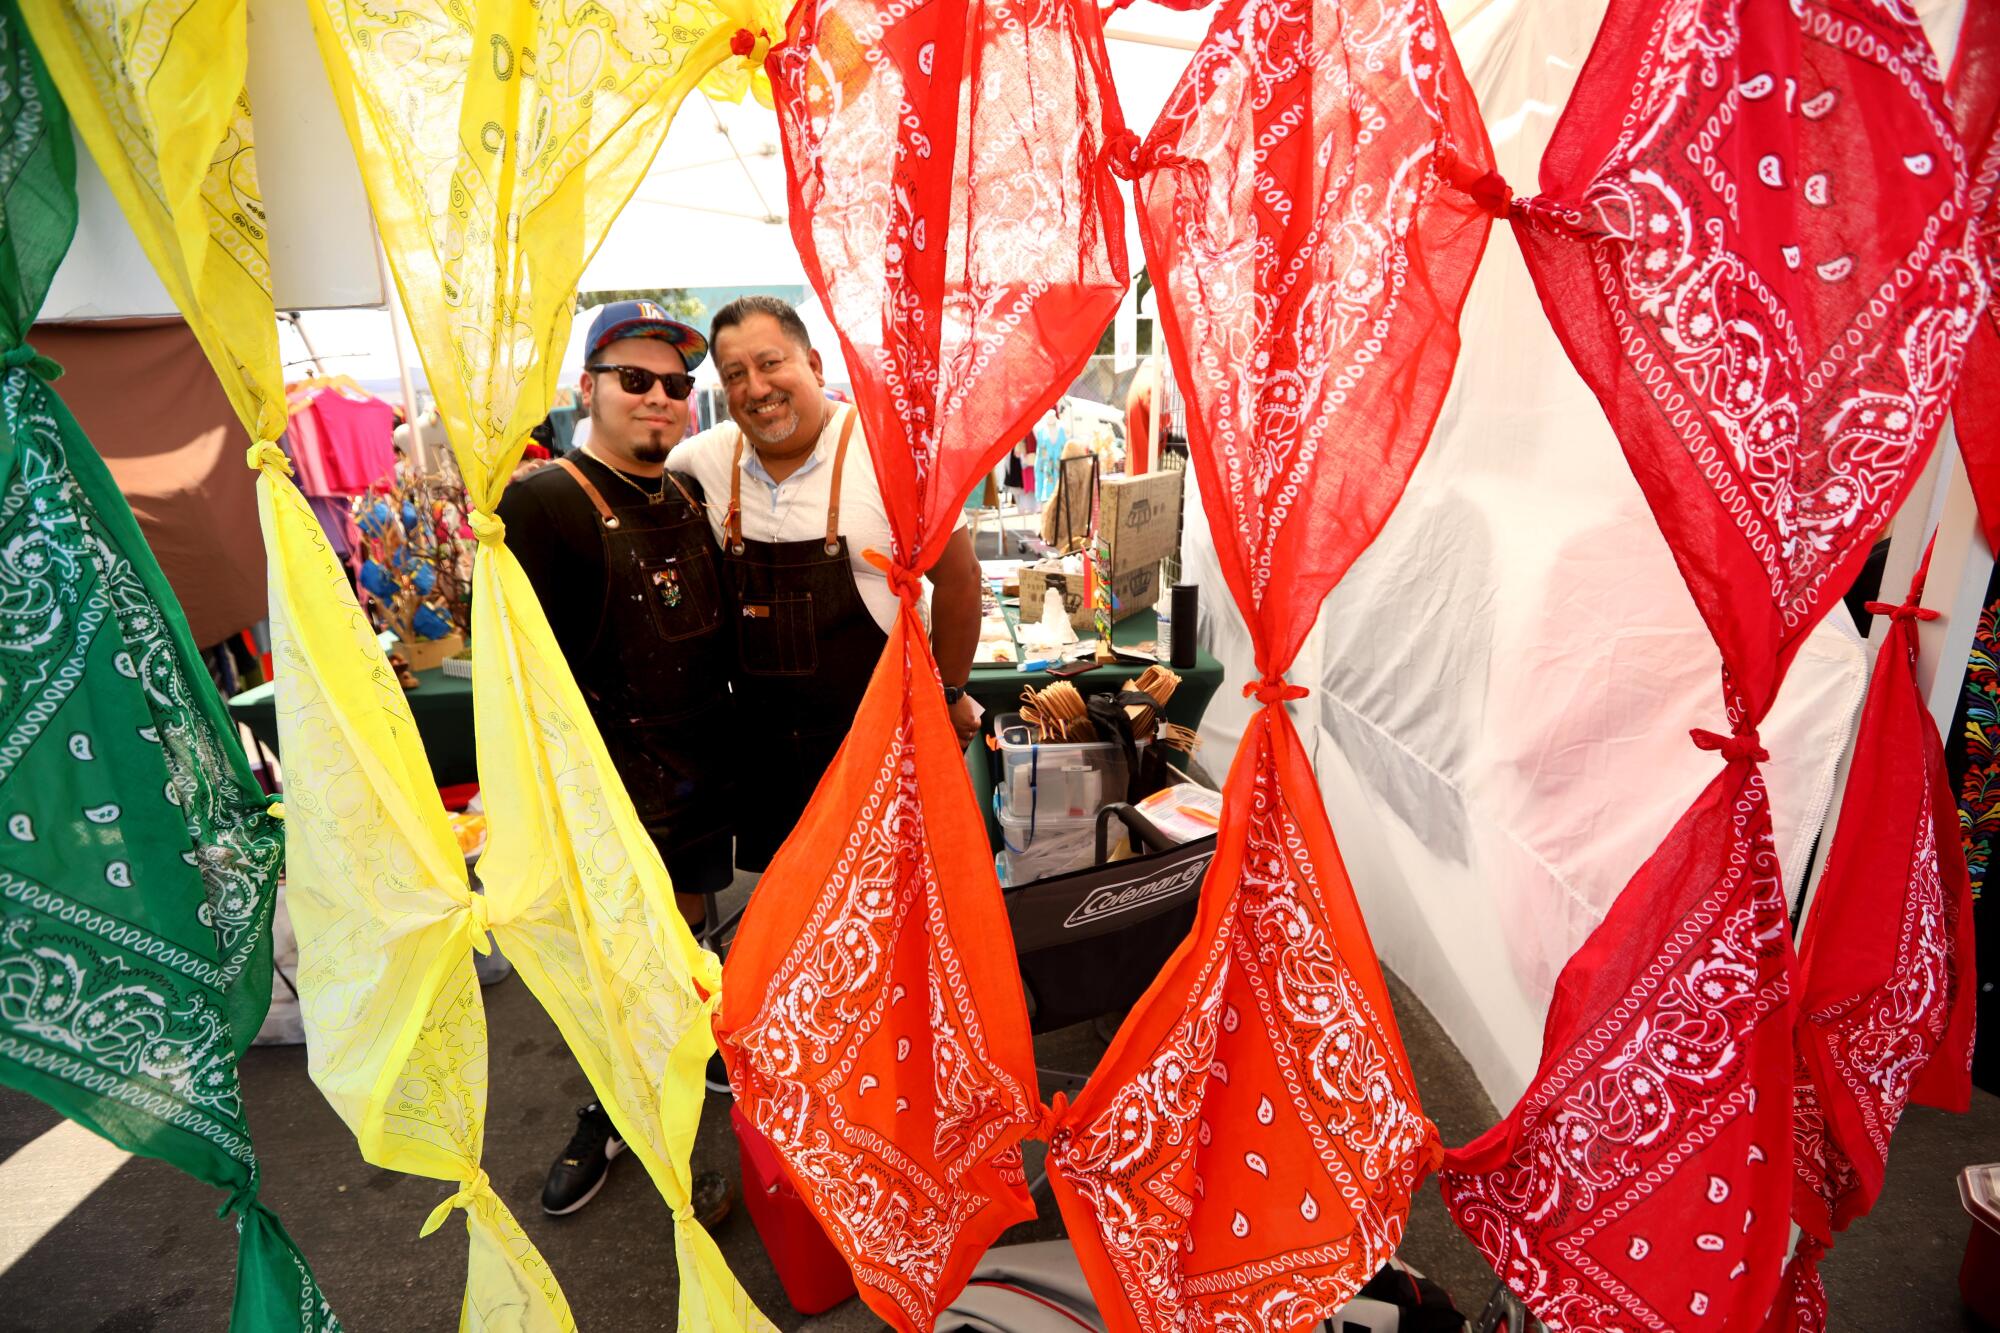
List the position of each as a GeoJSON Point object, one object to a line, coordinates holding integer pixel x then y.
{"type": "Point", "coordinates": [620, 554]}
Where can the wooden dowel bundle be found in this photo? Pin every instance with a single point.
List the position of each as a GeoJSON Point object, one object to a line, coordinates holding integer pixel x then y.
{"type": "Point", "coordinates": [1056, 713]}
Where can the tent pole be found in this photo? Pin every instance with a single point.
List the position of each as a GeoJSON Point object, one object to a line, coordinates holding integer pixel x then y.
{"type": "Point", "coordinates": [1955, 588]}
{"type": "Point", "coordinates": [299, 327]}
{"type": "Point", "coordinates": [1156, 402]}
{"type": "Point", "coordinates": [420, 452]}
{"type": "Point", "coordinates": [1150, 39]}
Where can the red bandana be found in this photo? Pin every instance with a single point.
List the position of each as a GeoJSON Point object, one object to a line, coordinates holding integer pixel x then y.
{"type": "Point", "coordinates": [1886, 965]}
{"type": "Point", "coordinates": [1975, 100]}
{"type": "Point", "coordinates": [1245, 1153]}
{"type": "Point", "coordinates": [1752, 240]}
{"type": "Point", "coordinates": [874, 1033]}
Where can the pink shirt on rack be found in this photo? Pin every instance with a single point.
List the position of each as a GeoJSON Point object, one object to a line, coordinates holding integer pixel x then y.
{"type": "Point", "coordinates": [357, 444]}
{"type": "Point", "coordinates": [308, 447]}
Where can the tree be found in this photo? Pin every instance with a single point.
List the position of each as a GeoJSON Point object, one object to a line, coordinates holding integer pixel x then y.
{"type": "Point", "coordinates": [676, 301]}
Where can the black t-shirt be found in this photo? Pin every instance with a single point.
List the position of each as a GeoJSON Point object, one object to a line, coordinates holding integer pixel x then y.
{"type": "Point", "coordinates": [552, 529]}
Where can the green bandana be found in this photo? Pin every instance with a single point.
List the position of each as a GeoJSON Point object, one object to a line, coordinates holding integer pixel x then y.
{"type": "Point", "coordinates": [138, 862]}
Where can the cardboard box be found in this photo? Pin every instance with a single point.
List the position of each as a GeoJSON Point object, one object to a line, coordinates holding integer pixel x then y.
{"type": "Point", "coordinates": [1131, 590]}
{"type": "Point", "coordinates": [426, 654]}
{"type": "Point", "coordinates": [1142, 519]}
{"type": "Point", "coordinates": [1142, 514]}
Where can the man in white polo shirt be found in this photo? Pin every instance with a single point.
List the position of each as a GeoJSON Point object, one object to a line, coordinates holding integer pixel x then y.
{"type": "Point", "coordinates": [791, 493]}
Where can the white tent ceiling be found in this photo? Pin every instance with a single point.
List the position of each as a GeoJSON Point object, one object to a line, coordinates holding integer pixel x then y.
{"type": "Point", "coordinates": [711, 210]}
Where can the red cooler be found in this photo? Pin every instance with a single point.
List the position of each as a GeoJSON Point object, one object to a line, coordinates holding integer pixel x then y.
{"type": "Point", "coordinates": [812, 1272]}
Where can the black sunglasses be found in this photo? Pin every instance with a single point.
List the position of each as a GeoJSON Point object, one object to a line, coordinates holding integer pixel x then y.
{"type": "Point", "coordinates": [638, 381]}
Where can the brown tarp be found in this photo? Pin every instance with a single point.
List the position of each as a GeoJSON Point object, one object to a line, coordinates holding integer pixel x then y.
{"type": "Point", "coordinates": [146, 397]}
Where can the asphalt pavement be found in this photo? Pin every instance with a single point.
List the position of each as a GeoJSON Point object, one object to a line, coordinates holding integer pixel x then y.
{"type": "Point", "coordinates": [95, 1242]}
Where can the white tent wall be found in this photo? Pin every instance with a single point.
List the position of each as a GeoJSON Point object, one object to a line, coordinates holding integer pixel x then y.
{"type": "Point", "coordinates": [1504, 683]}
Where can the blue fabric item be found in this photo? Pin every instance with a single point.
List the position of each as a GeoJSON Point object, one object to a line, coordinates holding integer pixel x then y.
{"type": "Point", "coordinates": [377, 581]}
{"type": "Point", "coordinates": [429, 624]}
{"type": "Point", "coordinates": [1049, 442]}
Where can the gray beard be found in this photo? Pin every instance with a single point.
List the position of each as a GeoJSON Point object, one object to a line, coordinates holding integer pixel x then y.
{"type": "Point", "coordinates": [778, 431]}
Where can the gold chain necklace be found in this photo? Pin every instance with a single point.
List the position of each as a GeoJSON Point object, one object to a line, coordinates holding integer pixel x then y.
{"type": "Point", "coordinates": [652, 497]}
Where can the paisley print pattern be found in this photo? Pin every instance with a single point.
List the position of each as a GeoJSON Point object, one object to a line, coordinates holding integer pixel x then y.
{"type": "Point", "coordinates": [1799, 367]}
{"type": "Point", "coordinates": [1586, 1210]}
{"type": "Point", "coordinates": [156, 86]}
{"type": "Point", "coordinates": [894, 1187]}
{"type": "Point", "coordinates": [496, 145]}
{"type": "Point", "coordinates": [951, 244]}
{"type": "Point", "coordinates": [138, 865]}
{"type": "Point", "coordinates": [1752, 239]}
{"type": "Point", "coordinates": [152, 1039]}
{"type": "Point", "coordinates": [968, 249]}
{"type": "Point", "coordinates": [1886, 1000]}
{"type": "Point", "coordinates": [1887, 1040]}
{"type": "Point", "coordinates": [1975, 104]}
{"type": "Point", "coordinates": [1199, 1121]}
{"type": "Point", "coordinates": [496, 153]}
{"type": "Point", "coordinates": [1245, 1155]}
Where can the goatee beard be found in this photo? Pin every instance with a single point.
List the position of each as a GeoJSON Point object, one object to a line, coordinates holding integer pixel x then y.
{"type": "Point", "coordinates": [652, 449]}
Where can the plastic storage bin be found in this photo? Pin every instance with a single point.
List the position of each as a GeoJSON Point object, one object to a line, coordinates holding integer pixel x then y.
{"type": "Point", "coordinates": [1044, 847]}
{"type": "Point", "coordinates": [1053, 781]}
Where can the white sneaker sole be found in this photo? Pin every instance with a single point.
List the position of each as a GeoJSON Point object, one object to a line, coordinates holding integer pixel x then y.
{"type": "Point", "coordinates": [612, 1150]}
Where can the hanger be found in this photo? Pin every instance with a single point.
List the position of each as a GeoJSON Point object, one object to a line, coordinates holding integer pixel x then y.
{"type": "Point", "coordinates": [312, 385]}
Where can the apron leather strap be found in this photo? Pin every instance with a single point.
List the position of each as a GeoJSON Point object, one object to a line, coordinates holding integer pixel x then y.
{"type": "Point", "coordinates": [603, 510]}
{"type": "Point", "coordinates": [685, 493]}
{"type": "Point", "coordinates": [833, 494]}
{"type": "Point", "coordinates": [732, 524]}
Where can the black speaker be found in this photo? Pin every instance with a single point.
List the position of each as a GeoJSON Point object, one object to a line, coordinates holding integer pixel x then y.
{"type": "Point", "coordinates": [1186, 613]}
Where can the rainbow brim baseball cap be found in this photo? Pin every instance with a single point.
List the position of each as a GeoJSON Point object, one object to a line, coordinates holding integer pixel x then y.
{"type": "Point", "coordinates": [644, 319]}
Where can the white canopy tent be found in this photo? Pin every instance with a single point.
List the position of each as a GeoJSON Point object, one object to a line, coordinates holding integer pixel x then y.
{"type": "Point", "coordinates": [1503, 684]}
{"type": "Point", "coordinates": [711, 211]}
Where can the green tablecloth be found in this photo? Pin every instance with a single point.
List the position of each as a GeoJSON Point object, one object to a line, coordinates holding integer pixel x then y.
{"type": "Point", "coordinates": [998, 688]}
{"type": "Point", "coordinates": [441, 705]}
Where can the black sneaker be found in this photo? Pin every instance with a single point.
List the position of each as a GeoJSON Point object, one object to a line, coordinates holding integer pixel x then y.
{"type": "Point", "coordinates": [581, 1170]}
{"type": "Point", "coordinates": [716, 1076]}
